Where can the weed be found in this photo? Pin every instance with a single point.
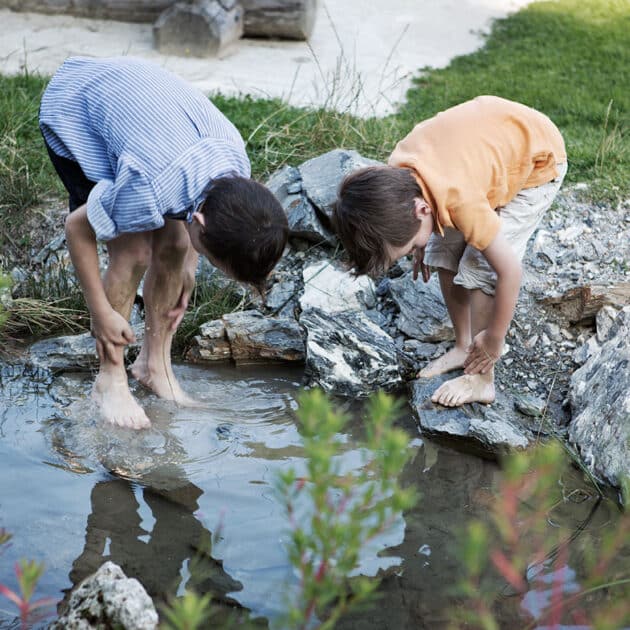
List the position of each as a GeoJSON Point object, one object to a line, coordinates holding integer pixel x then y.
{"type": "Point", "coordinates": [334, 515]}
{"type": "Point", "coordinates": [526, 549]}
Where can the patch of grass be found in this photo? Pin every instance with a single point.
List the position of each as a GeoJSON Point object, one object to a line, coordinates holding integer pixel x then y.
{"type": "Point", "coordinates": [278, 134]}
{"type": "Point", "coordinates": [569, 59]}
{"type": "Point", "coordinates": [210, 300]}
{"type": "Point", "coordinates": [25, 170]}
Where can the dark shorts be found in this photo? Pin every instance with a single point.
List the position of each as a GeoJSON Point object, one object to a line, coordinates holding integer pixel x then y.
{"type": "Point", "coordinates": [73, 178]}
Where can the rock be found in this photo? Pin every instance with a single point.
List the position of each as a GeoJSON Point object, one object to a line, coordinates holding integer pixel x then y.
{"type": "Point", "coordinates": [322, 175]}
{"type": "Point", "coordinates": [584, 352]}
{"type": "Point", "coordinates": [211, 344]}
{"type": "Point", "coordinates": [331, 289]}
{"type": "Point", "coordinates": [72, 353]}
{"type": "Point", "coordinates": [487, 430]}
{"type": "Point", "coordinates": [108, 599]}
{"type": "Point", "coordinates": [254, 337]}
{"type": "Point", "coordinates": [201, 28]}
{"type": "Point", "coordinates": [282, 298]}
{"type": "Point", "coordinates": [600, 405]}
{"type": "Point", "coordinates": [347, 354]}
{"type": "Point", "coordinates": [423, 315]}
{"type": "Point", "coordinates": [286, 185]}
{"type": "Point", "coordinates": [604, 322]}
{"type": "Point", "coordinates": [304, 222]}
{"type": "Point", "coordinates": [529, 405]}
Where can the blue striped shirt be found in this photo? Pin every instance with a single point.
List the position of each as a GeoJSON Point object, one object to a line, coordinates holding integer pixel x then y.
{"type": "Point", "coordinates": [151, 142]}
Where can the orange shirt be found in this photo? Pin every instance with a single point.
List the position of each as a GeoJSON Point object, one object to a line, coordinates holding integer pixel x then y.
{"type": "Point", "coordinates": [474, 158]}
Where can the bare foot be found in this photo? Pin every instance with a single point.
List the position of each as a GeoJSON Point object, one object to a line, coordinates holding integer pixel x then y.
{"type": "Point", "coordinates": [162, 382]}
{"type": "Point", "coordinates": [465, 389]}
{"type": "Point", "coordinates": [451, 360]}
{"type": "Point", "coordinates": [116, 404]}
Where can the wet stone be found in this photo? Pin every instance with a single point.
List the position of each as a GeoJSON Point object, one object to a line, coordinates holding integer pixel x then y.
{"type": "Point", "coordinates": [347, 354]}
{"type": "Point", "coordinates": [211, 344]}
{"type": "Point", "coordinates": [254, 337]}
{"type": "Point", "coordinates": [73, 352]}
{"type": "Point", "coordinates": [487, 430]}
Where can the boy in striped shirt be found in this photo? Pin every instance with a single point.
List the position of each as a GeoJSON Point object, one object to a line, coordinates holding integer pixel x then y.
{"type": "Point", "coordinates": [153, 168]}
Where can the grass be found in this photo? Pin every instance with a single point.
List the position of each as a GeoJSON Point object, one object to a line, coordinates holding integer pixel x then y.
{"type": "Point", "coordinates": [567, 58]}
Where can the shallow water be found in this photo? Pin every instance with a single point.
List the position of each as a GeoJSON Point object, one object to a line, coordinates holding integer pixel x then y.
{"type": "Point", "coordinates": [75, 493]}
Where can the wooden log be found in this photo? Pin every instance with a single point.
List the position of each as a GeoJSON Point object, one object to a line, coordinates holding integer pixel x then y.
{"type": "Point", "coordinates": [202, 28]}
{"type": "Point", "coordinates": [580, 305]}
{"type": "Point", "coordinates": [123, 10]}
{"type": "Point", "coordinates": [284, 19]}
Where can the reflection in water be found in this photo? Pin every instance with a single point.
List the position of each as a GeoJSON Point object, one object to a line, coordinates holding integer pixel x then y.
{"type": "Point", "coordinates": [154, 536]}
{"type": "Point", "coordinates": [141, 493]}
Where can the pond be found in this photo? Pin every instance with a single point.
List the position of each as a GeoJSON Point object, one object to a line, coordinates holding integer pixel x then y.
{"type": "Point", "coordinates": [75, 493]}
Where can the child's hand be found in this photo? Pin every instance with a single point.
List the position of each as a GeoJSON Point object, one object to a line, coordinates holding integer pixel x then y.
{"type": "Point", "coordinates": [111, 329]}
{"type": "Point", "coordinates": [418, 263]}
{"type": "Point", "coordinates": [483, 353]}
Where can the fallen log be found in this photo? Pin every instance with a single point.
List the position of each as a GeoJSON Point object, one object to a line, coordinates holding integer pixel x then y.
{"type": "Point", "coordinates": [284, 19]}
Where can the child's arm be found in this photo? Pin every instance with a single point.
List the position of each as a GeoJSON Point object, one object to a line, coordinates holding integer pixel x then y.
{"type": "Point", "coordinates": [486, 347]}
{"type": "Point", "coordinates": [108, 327]}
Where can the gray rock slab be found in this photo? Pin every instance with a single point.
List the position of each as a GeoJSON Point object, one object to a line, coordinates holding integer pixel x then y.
{"type": "Point", "coordinates": [286, 184]}
{"type": "Point", "coordinates": [486, 430]}
{"type": "Point", "coordinates": [600, 405]}
{"type": "Point", "coordinates": [72, 353]}
{"type": "Point", "coordinates": [254, 337]}
{"type": "Point", "coordinates": [347, 354]}
{"type": "Point", "coordinates": [322, 175]}
{"type": "Point", "coordinates": [108, 599]}
{"type": "Point", "coordinates": [423, 315]}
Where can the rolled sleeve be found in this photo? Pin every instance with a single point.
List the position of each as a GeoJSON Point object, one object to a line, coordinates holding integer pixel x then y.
{"type": "Point", "coordinates": [126, 204]}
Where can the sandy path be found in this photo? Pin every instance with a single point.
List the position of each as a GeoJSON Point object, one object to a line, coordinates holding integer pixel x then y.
{"type": "Point", "coordinates": [359, 57]}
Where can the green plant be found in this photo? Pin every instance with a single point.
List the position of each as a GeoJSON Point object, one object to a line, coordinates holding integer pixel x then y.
{"type": "Point", "coordinates": [334, 514]}
{"type": "Point", "coordinates": [28, 574]}
{"type": "Point", "coordinates": [519, 546]}
{"type": "Point", "coordinates": [189, 612]}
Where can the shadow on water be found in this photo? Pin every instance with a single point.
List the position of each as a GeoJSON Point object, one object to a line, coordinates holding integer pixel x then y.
{"type": "Point", "coordinates": [190, 503]}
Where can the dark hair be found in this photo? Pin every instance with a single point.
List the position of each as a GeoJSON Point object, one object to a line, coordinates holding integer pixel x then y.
{"type": "Point", "coordinates": [246, 228]}
{"type": "Point", "coordinates": [375, 208]}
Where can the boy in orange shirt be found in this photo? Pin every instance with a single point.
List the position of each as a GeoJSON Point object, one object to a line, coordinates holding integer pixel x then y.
{"type": "Point", "coordinates": [463, 193]}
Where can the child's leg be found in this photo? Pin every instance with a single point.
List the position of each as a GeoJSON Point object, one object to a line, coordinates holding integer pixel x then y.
{"type": "Point", "coordinates": [471, 387]}
{"type": "Point", "coordinates": [444, 252]}
{"type": "Point", "coordinates": [129, 257]}
{"type": "Point", "coordinates": [172, 270]}
{"type": "Point", "coordinates": [457, 300]}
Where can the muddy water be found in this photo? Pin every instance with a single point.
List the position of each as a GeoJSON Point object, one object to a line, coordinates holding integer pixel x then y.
{"type": "Point", "coordinates": [75, 493]}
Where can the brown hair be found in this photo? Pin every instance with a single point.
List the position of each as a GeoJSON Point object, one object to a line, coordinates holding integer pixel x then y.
{"type": "Point", "coordinates": [375, 208]}
{"type": "Point", "coordinates": [246, 228]}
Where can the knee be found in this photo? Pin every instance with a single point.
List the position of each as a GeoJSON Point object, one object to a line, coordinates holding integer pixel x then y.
{"type": "Point", "coordinates": [174, 249]}
{"type": "Point", "coordinates": [136, 258]}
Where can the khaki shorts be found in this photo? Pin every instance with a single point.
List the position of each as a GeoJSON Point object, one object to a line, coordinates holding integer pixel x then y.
{"type": "Point", "coordinates": [519, 220]}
